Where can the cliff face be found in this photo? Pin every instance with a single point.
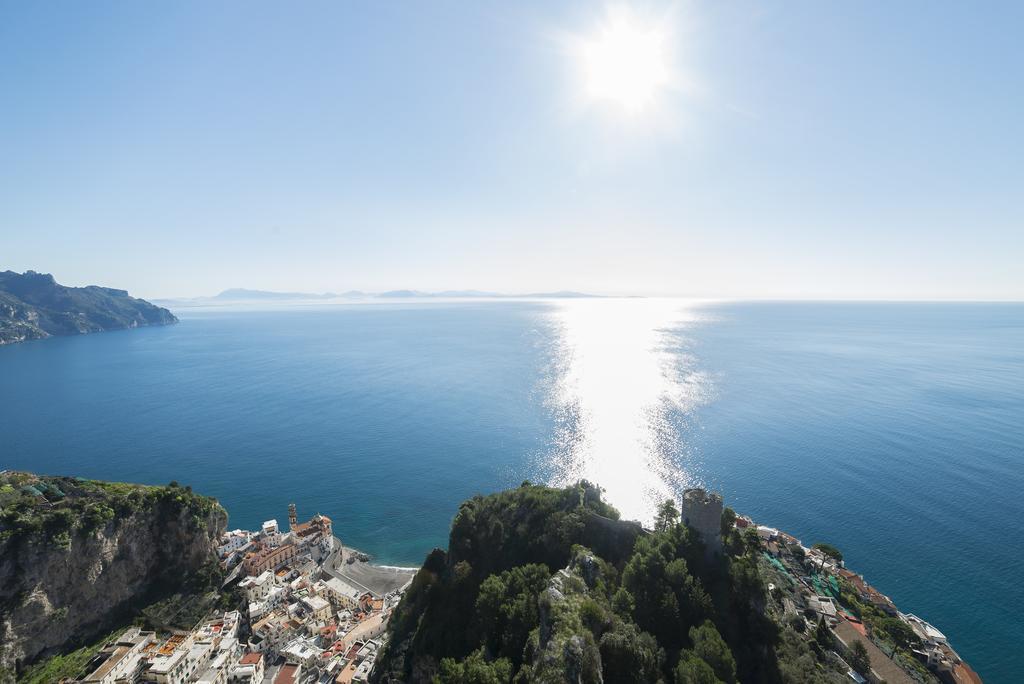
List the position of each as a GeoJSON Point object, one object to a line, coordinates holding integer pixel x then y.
{"type": "Point", "coordinates": [78, 564]}
{"type": "Point", "coordinates": [33, 306]}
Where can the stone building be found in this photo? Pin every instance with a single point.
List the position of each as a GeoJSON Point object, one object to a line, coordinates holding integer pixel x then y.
{"type": "Point", "coordinates": [318, 532]}
{"type": "Point", "coordinates": [265, 558]}
{"type": "Point", "coordinates": [703, 512]}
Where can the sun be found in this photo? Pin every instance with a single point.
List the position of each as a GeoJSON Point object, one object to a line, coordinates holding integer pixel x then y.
{"type": "Point", "coordinates": [625, 61]}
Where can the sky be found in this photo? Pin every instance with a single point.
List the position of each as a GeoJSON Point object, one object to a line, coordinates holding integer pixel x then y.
{"type": "Point", "coordinates": [741, 149]}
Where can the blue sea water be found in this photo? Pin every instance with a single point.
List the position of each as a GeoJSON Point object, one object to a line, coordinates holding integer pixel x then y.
{"type": "Point", "coordinates": [893, 430]}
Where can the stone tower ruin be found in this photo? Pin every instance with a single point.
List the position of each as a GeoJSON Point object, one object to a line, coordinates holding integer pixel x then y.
{"type": "Point", "coordinates": [703, 512]}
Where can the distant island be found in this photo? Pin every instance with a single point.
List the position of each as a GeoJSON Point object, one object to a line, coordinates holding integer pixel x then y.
{"type": "Point", "coordinates": [34, 306]}
{"type": "Point", "coordinates": [241, 294]}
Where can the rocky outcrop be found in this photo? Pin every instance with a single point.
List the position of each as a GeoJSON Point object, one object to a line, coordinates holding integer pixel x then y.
{"type": "Point", "coordinates": [33, 306]}
{"type": "Point", "coordinates": [67, 580]}
{"type": "Point", "coordinates": [564, 651]}
{"type": "Point", "coordinates": [491, 536]}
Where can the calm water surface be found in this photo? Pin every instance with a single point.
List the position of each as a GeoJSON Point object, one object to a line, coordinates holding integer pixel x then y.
{"type": "Point", "coordinates": [895, 431]}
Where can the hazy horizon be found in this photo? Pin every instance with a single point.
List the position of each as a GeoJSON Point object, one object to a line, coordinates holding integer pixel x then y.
{"type": "Point", "coordinates": [480, 293]}
{"type": "Point", "coordinates": [705, 150]}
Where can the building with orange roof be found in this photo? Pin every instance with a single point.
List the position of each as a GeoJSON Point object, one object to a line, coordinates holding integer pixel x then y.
{"type": "Point", "coordinates": [289, 674]}
{"type": "Point", "coordinates": [867, 593]}
{"type": "Point", "coordinates": [883, 668]}
{"type": "Point", "coordinates": [268, 558]}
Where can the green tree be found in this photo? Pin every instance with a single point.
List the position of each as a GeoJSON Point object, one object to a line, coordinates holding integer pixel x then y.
{"type": "Point", "coordinates": [829, 551]}
{"type": "Point", "coordinates": [859, 659]}
{"type": "Point", "coordinates": [506, 609]}
{"type": "Point", "coordinates": [667, 517]}
{"type": "Point", "coordinates": [728, 521]}
{"type": "Point", "coordinates": [693, 670]}
{"type": "Point", "coordinates": [823, 635]}
{"type": "Point", "coordinates": [629, 655]}
{"type": "Point", "coordinates": [668, 598]}
{"type": "Point", "coordinates": [751, 541]}
{"type": "Point", "coordinates": [474, 670]}
{"type": "Point", "coordinates": [623, 604]}
{"type": "Point", "coordinates": [898, 631]}
{"type": "Point", "coordinates": [709, 646]}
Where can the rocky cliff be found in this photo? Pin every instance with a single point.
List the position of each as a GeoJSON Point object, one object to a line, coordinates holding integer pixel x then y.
{"type": "Point", "coordinates": [548, 585]}
{"type": "Point", "coordinates": [33, 306]}
{"type": "Point", "coordinates": [80, 557]}
{"type": "Point", "coordinates": [502, 547]}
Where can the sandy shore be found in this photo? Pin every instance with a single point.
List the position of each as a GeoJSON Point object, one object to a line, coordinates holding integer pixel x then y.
{"type": "Point", "coordinates": [377, 579]}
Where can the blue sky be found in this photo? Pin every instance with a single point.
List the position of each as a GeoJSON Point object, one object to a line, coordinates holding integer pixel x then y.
{"type": "Point", "coordinates": [802, 149]}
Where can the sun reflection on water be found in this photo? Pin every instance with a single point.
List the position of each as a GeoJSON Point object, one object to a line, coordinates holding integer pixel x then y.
{"type": "Point", "coordinates": [622, 383]}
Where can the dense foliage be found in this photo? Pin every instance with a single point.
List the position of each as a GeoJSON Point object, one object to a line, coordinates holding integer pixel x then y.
{"type": "Point", "coordinates": [829, 550]}
{"type": "Point", "coordinates": [55, 530]}
{"type": "Point", "coordinates": [54, 509]}
{"type": "Point", "coordinates": [547, 585]}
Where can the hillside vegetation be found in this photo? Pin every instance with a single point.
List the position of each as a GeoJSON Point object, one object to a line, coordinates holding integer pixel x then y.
{"type": "Point", "coordinates": [81, 557]}
{"type": "Point", "coordinates": [34, 306]}
{"type": "Point", "coordinates": [547, 585]}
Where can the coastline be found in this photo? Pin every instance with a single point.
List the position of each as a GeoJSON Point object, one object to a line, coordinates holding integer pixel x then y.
{"type": "Point", "coordinates": [854, 610]}
{"type": "Point", "coordinates": [358, 569]}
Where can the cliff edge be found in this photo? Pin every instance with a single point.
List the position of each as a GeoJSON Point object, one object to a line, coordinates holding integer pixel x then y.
{"type": "Point", "coordinates": [79, 557]}
{"type": "Point", "coordinates": [548, 585]}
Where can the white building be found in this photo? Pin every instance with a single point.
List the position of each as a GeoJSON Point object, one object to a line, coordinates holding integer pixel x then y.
{"type": "Point", "coordinates": [249, 669]}
{"type": "Point", "coordinates": [124, 658]}
{"type": "Point", "coordinates": [257, 588]}
{"type": "Point", "coordinates": [302, 651]}
{"type": "Point", "coordinates": [169, 669]}
{"type": "Point", "coordinates": [928, 633]}
{"type": "Point", "coordinates": [232, 541]}
{"type": "Point", "coordinates": [825, 607]}
{"type": "Point", "coordinates": [197, 658]}
{"type": "Point", "coordinates": [218, 669]}
{"type": "Point", "coordinates": [362, 673]}
{"type": "Point", "coordinates": [319, 608]}
{"type": "Point", "coordinates": [271, 534]}
{"type": "Point", "coordinates": [342, 593]}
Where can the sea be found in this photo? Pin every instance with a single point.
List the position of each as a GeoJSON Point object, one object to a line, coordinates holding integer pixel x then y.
{"type": "Point", "coordinates": [894, 431]}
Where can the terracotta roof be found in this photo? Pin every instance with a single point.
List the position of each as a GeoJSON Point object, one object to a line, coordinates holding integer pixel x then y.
{"type": "Point", "coordinates": [880, 663]}
{"type": "Point", "coordinates": [287, 674]}
{"type": "Point", "coordinates": [859, 626]}
{"type": "Point", "coordinates": [963, 673]}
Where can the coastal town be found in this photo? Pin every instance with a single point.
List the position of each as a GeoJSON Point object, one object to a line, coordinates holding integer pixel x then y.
{"type": "Point", "coordinates": [314, 611]}
{"type": "Point", "coordinates": [841, 609]}
{"type": "Point", "coordinates": [846, 617]}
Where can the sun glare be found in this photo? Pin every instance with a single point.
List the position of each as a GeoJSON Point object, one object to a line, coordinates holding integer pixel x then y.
{"type": "Point", "coordinates": [625, 61]}
{"type": "Point", "coordinates": [618, 380]}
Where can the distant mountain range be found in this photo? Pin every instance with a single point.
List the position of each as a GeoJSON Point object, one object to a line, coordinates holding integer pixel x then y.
{"type": "Point", "coordinates": [33, 306]}
{"type": "Point", "coordinates": [239, 294]}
